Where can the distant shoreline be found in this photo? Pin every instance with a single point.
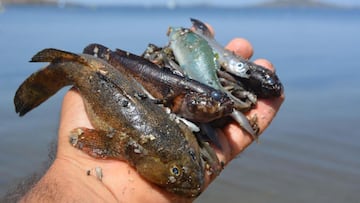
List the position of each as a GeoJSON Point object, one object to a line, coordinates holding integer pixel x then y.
{"type": "Point", "coordinates": [298, 4]}
{"type": "Point", "coordinates": [17, 2]}
{"type": "Point", "coordinates": [270, 4]}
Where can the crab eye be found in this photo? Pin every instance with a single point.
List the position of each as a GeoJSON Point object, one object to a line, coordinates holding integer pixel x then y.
{"type": "Point", "coordinates": [175, 171]}
{"type": "Point", "coordinates": [216, 95]}
{"type": "Point", "coordinates": [269, 80]}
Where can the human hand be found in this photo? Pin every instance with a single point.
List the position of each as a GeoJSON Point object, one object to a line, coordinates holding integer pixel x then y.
{"type": "Point", "coordinates": [121, 182]}
{"type": "Point", "coordinates": [232, 137]}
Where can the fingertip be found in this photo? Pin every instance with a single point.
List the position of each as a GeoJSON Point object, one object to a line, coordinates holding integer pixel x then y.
{"type": "Point", "coordinates": [72, 100]}
{"type": "Point", "coordinates": [212, 31]}
{"type": "Point", "coordinates": [241, 47]}
{"type": "Point", "coordinates": [265, 63]}
{"type": "Point", "coordinates": [72, 94]}
{"type": "Point", "coordinates": [73, 112]}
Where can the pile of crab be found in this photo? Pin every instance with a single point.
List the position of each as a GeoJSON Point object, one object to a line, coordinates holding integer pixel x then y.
{"type": "Point", "coordinates": [157, 111]}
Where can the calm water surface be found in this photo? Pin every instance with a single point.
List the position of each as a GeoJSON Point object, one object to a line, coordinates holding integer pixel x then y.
{"type": "Point", "coordinates": [309, 154]}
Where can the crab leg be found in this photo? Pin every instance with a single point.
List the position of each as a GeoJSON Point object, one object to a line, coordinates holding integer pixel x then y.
{"type": "Point", "coordinates": [260, 80]}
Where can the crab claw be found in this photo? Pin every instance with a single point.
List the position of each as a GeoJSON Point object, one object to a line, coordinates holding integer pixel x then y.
{"type": "Point", "coordinates": [241, 119]}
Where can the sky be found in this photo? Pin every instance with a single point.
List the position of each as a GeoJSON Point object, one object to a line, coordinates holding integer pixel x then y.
{"type": "Point", "coordinates": [189, 2]}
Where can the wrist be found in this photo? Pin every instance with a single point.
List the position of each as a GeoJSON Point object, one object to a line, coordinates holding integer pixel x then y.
{"type": "Point", "coordinates": [70, 180]}
{"type": "Point", "coordinates": [64, 181]}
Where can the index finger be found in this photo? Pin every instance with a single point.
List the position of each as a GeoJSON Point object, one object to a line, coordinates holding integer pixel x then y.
{"type": "Point", "coordinates": [241, 47]}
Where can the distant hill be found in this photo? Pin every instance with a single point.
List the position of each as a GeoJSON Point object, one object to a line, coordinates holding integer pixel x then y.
{"type": "Point", "coordinates": [266, 4]}
{"type": "Point", "coordinates": [297, 3]}
{"type": "Point", "coordinates": [28, 1]}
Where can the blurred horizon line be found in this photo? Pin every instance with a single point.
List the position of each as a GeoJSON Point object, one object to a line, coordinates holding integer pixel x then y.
{"type": "Point", "coordinates": [171, 4]}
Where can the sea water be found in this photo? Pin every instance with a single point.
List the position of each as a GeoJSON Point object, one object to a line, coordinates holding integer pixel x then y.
{"type": "Point", "coordinates": [311, 151]}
